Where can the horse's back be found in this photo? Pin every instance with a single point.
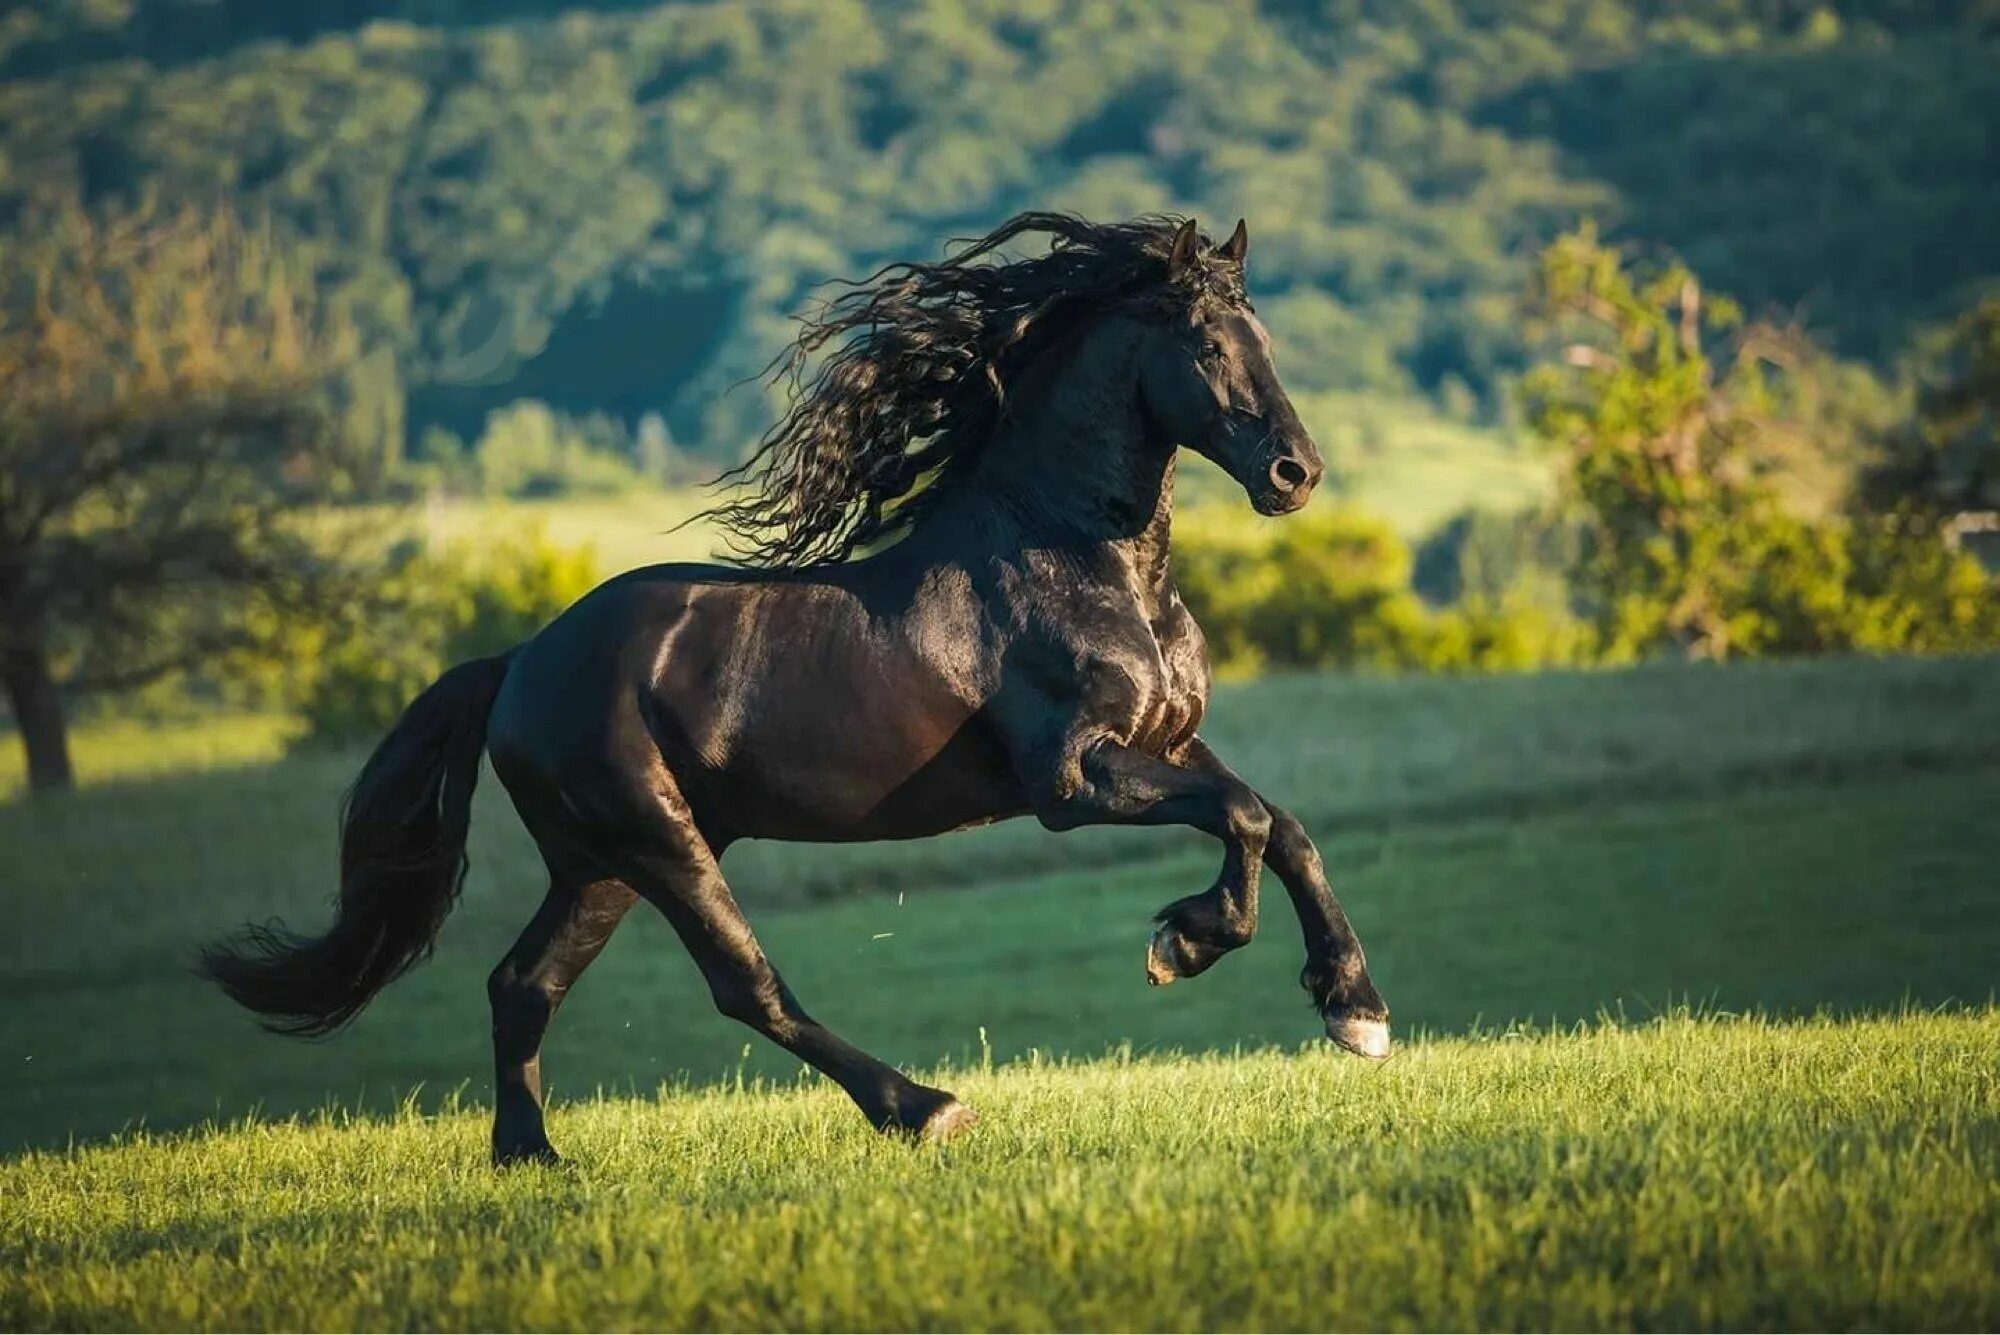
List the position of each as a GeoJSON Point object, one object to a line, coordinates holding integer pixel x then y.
{"type": "Point", "coordinates": [786, 707]}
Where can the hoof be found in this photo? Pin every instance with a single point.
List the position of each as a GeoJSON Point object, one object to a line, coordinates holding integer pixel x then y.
{"type": "Point", "coordinates": [950, 1120]}
{"type": "Point", "coordinates": [1160, 952]}
{"type": "Point", "coordinates": [1363, 1038]}
{"type": "Point", "coordinates": [542, 1153]}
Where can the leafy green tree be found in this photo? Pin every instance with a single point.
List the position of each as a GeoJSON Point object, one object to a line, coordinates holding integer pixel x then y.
{"type": "Point", "coordinates": [1655, 448]}
{"type": "Point", "coordinates": [1669, 413]}
{"type": "Point", "coordinates": [1328, 588]}
{"type": "Point", "coordinates": [1331, 588]}
{"type": "Point", "coordinates": [163, 438]}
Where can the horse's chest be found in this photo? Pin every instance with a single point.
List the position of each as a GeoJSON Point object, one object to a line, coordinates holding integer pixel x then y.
{"type": "Point", "coordinates": [1174, 697]}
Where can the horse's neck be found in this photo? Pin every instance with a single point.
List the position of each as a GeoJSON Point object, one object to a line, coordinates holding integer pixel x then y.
{"type": "Point", "coordinates": [1149, 548]}
{"type": "Point", "coordinates": [1073, 470]}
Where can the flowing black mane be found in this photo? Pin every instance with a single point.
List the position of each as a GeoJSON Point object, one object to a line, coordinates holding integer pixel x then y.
{"type": "Point", "coordinates": [922, 359]}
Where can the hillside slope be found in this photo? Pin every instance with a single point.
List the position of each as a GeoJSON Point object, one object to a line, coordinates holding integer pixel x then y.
{"type": "Point", "coordinates": [617, 205]}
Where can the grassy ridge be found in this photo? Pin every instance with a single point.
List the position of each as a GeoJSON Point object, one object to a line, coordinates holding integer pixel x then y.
{"type": "Point", "coordinates": [1684, 1175]}
{"type": "Point", "coordinates": [1782, 837]}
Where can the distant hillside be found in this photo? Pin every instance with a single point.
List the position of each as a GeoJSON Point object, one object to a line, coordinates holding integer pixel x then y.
{"type": "Point", "coordinates": [616, 206]}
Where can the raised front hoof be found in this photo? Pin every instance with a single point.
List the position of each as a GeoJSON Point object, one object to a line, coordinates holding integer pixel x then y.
{"type": "Point", "coordinates": [1363, 1038]}
{"type": "Point", "coordinates": [525, 1152]}
{"type": "Point", "coordinates": [1170, 955]}
{"type": "Point", "coordinates": [1160, 952]}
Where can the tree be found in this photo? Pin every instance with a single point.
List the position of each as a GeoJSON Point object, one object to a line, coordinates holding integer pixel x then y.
{"type": "Point", "coordinates": [1674, 419]}
{"type": "Point", "coordinates": [1656, 446]}
{"type": "Point", "coordinates": [163, 438]}
{"type": "Point", "coordinates": [1944, 463]}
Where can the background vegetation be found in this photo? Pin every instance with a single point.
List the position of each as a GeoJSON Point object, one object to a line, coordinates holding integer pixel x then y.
{"type": "Point", "coordinates": [615, 207]}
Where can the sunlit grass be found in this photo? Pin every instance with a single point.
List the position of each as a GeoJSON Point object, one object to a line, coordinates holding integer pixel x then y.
{"type": "Point", "coordinates": [633, 529]}
{"type": "Point", "coordinates": [1416, 470]}
{"type": "Point", "coordinates": [118, 750]}
{"type": "Point", "coordinates": [1687, 1174]}
{"type": "Point", "coordinates": [1779, 837]}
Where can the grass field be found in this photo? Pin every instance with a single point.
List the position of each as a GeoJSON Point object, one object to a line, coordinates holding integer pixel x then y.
{"type": "Point", "coordinates": [641, 528]}
{"type": "Point", "coordinates": [1684, 1175]}
{"type": "Point", "coordinates": [1791, 840]}
{"type": "Point", "coordinates": [1417, 470]}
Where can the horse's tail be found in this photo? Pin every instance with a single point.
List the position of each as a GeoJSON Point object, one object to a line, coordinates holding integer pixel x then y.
{"type": "Point", "coordinates": [402, 862]}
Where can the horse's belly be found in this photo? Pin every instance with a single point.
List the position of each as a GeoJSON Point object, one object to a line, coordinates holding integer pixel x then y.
{"type": "Point", "coordinates": [855, 783]}
{"type": "Point", "coordinates": [834, 739]}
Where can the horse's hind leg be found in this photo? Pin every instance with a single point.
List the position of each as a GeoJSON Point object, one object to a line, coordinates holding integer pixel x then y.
{"type": "Point", "coordinates": [677, 872]}
{"type": "Point", "coordinates": [566, 934]}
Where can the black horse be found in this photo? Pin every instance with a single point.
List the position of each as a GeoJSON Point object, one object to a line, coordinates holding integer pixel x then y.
{"type": "Point", "coordinates": [1000, 436]}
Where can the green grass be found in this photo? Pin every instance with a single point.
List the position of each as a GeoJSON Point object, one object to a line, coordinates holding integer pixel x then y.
{"type": "Point", "coordinates": [1682, 1175]}
{"type": "Point", "coordinates": [1416, 470]}
{"type": "Point", "coordinates": [1778, 836]}
{"type": "Point", "coordinates": [1786, 839]}
{"type": "Point", "coordinates": [122, 750]}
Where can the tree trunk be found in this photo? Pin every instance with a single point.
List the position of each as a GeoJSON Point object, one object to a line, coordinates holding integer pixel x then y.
{"type": "Point", "coordinates": [38, 712]}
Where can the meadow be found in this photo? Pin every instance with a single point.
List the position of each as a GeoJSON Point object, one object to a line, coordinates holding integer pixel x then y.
{"type": "Point", "coordinates": [1693, 971]}
{"type": "Point", "coordinates": [1685, 1175]}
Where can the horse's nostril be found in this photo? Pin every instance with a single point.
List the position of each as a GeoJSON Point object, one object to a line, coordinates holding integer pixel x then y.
{"type": "Point", "coordinates": [1288, 474]}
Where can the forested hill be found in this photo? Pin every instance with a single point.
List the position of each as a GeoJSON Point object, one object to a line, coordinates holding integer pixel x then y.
{"type": "Point", "coordinates": [615, 206]}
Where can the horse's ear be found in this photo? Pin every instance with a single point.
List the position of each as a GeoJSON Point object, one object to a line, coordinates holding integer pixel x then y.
{"type": "Point", "coordinates": [1186, 241]}
{"type": "Point", "coordinates": [1237, 246]}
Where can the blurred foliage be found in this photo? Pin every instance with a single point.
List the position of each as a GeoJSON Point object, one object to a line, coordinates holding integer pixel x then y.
{"type": "Point", "coordinates": [614, 206]}
{"type": "Point", "coordinates": [432, 609]}
{"type": "Point", "coordinates": [1687, 523]}
{"type": "Point", "coordinates": [1492, 555]}
{"type": "Point", "coordinates": [1664, 406]}
{"type": "Point", "coordinates": [1945, 461]}
{"type": "Point", "coordinates": [529, 451]}
{"type": "Point", "coordinates": [1332, 588]}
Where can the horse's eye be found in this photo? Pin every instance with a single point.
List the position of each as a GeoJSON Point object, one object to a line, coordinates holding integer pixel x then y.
{"type": "Point", "coordinates": [1211, 351]}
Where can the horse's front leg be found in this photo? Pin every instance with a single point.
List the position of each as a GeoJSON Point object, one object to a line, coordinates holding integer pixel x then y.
{"type": "Point", "coordinates": [1336, 970]}
{"type": "Point", "coordinates": [1109, 783]}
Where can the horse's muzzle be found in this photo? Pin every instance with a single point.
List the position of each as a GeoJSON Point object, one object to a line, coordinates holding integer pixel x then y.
{"type": "Point", "coordinates": [1289, 480]}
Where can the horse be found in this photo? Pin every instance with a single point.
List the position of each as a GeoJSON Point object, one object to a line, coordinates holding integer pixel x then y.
{"type": "Point", "coordinates": [952, 604]}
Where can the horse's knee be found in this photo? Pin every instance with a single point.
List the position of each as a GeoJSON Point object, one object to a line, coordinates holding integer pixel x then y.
{"type": "Point", "coordinates": [508, 989]}
{"type": "Point", "coordinates": [756, 1001]}
{"type": "Point", "coordinates": [1290, 847]}
{"type": "Point", "coordinates": [1247, 818]}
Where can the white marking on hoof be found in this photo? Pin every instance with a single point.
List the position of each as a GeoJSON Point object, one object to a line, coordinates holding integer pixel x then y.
{"type": "Point", "coordinates": [1158, 972]}
{"type": "Point", "coordinates": [1363, 1038]}
{"type": "Point", "coordinates": [950, 1120]}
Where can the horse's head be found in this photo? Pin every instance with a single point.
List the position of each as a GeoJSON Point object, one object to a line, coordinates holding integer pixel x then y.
{"type": "Point", "coordinates": [1208, 381]}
